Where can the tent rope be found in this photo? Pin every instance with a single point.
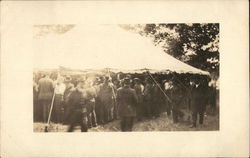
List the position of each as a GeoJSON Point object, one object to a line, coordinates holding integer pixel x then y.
{"type": "Point", "coordinates": [159, 87]}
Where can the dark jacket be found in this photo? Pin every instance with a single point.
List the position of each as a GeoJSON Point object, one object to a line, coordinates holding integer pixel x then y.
{"type": "Point", "coordinates": [45, 89]}
{"type": "Point", "coordinates": [157, 95]}
{"type": "Point", "coordinates": [148, 92]}
{"type": "Point", "coordinates": [77, 101]}
{"type": "Point", "coordinates": [199, 98]}
{"type": "Point", "coordinates": [106, 95]}
{"type": "Point", "coordinates": [139, 92]}
{"type": "Point", "coordinates": [127, 101]}
{"type": "Point", "coordinates": [177, 96]}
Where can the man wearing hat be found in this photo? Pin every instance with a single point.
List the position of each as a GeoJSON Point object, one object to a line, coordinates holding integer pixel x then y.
{"type": "Point", "coordinates": [91, 95]}
{"type": "Point", "coordinates": [168, 86]}
{"type": "Point", "coordinates": [116, 86]}
{"type": "Point", "coordinates": [177, 96]}
{"type": "Point", "coordinates": [99, 109]}
{"type": "Point", "coordinates": [157, 97]}
{"type": "Point", "coordinates": [127, 101]}
{"type": "Point", "coordinates": [139, 88]}
{"type": "Point", "coordinates": [148, 93]}
{"type": "Point", "coordinates": [78, 108]}
{"type": "Point", "coordinates": [58, 102]}
{"type": "Point", "coordinates": [67, 92]}
{"type": "Point", "coordinates": [106, 98]}
{"type": "Point", "coordinates": [199, 99]}
{"type": "Point", "coordinates": [45, 94]}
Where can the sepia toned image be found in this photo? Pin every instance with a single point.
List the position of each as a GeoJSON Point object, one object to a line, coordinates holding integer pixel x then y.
{"type": "Point", "coordinates": [126, 77]}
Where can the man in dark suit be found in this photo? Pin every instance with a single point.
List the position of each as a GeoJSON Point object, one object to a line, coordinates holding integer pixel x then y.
{"type": "Point", "coordinates": [127, 101]}
{"type": "Point", "coordinates": [148, 93]}
{"type": "Point", "coordinates": [45, 94]}
{"type": "Point", "coordinates": [99, 108]}
{"type": "Point", "coordinates": [168, 86]}
{"type": "Point", "coordinates": [139, 88]}
{"type": "Point", "coordinates": [69, 89]}
{"type": "Point", "coordinates": [156, 100]}
{"type": "Point", "coordinates": [177, 96]}
{"type": "Point", "coordinates": [107, 99]}
{"type": "Point", "coordinates": [199, 99]}
{"type": "Point", "coordinates": [78, 108]}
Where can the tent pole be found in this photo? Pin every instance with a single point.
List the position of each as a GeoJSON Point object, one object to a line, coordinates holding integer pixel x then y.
{"type": "Point", "coordinates": [51, 107]}
{"type": "Point", "coordinates": [159, 87]}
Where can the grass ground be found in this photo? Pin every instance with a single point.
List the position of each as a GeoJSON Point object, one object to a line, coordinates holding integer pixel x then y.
{"type": "Point", "coordinates": [163, 123]}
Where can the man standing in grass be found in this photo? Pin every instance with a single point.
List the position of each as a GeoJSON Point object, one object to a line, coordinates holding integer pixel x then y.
{"type": "Point", "coordinates": [45, 94]}
{"type": "Point", "coordinates": [78, 108]}
{"type": "Point", "coordinates": [127, 101]}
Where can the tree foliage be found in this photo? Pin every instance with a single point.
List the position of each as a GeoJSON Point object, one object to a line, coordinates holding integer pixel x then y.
{"type": "Point", "coordinates": [194, 44]}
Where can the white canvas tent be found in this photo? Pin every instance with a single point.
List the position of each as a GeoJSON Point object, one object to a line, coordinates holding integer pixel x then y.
{"type": "Point", "coordinates": [104, 46]}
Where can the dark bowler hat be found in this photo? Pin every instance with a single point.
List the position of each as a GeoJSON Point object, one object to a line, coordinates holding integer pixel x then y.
{"type": "Point", "coordinates": [137, 79]}
{"type": "Point", "coordinates": [126, 81]}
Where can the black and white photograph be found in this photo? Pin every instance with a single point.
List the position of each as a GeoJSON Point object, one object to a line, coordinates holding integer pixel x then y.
{"type": "Point", "coordinates": [126, 77]}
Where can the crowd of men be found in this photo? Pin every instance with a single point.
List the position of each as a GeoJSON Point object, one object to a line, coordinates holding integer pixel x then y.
{"type": "Point", "coordinates": [92, 102]}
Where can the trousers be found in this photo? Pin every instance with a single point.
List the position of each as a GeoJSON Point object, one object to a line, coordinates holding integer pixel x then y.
{"type": "Point", "coordinates": [76, 118]}
{"type": "Point", "coordinates": [127, 123]}
{"type": "Point", "coordinates": [155, 107]}
{"type": "Point", "coordinates": [58, 109]}
{"type": "Point", "coordinates": [198, 109]}
{"type": "Point", "coordinates": [148, 109]}
{"type": "Point", "coordinates": [46, 107]}
{"type": "Point", "coordinates": [91, 115]}
{"type": "Point", "coordinates": [176, 113]}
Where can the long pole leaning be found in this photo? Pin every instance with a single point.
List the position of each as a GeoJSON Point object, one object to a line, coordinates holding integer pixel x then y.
{"type": "Point", "coordinates": [159, 87]}
{"type": "Point", "coordinates": [51, 108]}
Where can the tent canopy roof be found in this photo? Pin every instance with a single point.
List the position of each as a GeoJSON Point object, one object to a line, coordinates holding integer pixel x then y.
{"type": "Point", "coordinates": [104, 46]}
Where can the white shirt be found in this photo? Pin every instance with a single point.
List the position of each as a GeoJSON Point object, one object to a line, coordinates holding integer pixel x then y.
{"type": "Point", "coordinates": [60, 88]}
{"type": "Point", "coordinates": [168, 86]}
